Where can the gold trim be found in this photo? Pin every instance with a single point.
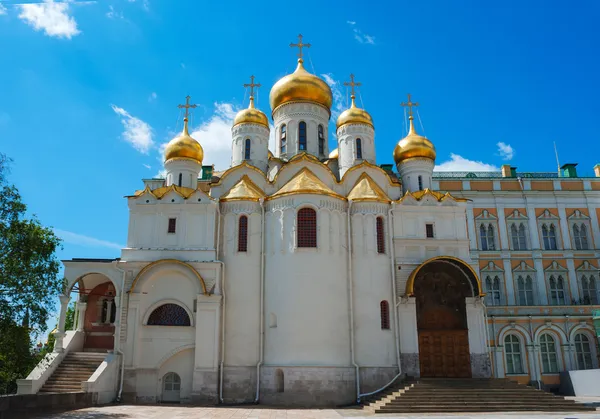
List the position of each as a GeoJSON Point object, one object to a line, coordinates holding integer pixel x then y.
{"type": "Point", "coordinates": [302, 101]}
{"type": "Point", "coordinates": [243, 190]}
{"type": "Point", "coordinates": [440, 197]}
{"type": "Point", "coordinates": [175, 261]}
{"type": "Point", "coordinates": [305, 182]}
{"type": "Point", "coordinates": [304, 157]}
{"type": "Point", "coordinates": [244, 163]}
{"type": "Point", "coordinates": [365, 163]}
{"type": "Point", "coordinates": [410, 283]}
{"type": "Point", "coordinates": [366, 189]}
{"type": "Point", "coordinates": [160, 192]}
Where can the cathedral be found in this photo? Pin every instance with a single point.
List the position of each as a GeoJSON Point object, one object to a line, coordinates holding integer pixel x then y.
{"type": "Point", "coordinates": [308, 276]}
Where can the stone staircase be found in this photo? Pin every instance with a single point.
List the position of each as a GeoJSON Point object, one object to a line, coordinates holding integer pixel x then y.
{"type": "Point", "coordinates": [75, 368]}
{"type": "Point", "coordinates": [430, 395]}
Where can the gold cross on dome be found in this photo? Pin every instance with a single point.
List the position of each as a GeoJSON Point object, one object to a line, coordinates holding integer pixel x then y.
{"type": "Point", "coordinates": [410, 105]}
{"type": "Point", "coordinates": [300, 45]}
{"type": "Point", "coordinates": [352, 84]}
{"type": "Point", "coordinates": [187, 106]}
{"type": "Point", "coordinates": [252, 85]}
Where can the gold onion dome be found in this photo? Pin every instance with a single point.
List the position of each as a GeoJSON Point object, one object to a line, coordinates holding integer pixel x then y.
{"type": "Point", "coordinates": [184, 146]}
{"type": "Point", "coordinates": [354, 115]}
{"type": "Point", "coordinates": [251, 115]}
{"type": "Point", "coordinates": [413, 146]}
{"type": "Point", "coordinates": [300, 86]}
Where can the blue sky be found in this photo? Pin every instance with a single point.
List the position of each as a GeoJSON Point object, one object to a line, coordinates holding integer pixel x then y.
{"type": "Point", "coordinates": [88, 89]}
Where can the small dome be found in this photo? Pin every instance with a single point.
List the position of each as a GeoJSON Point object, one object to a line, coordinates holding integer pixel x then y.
{"type": "Point", "coordinates": [334, 154]}
{"type": "Point", "coordinates": [184, 147]}
{"type": "Point", "coordinates": [300, 86]}
{"type": "Point", "coordinates": [251, 115]}
{"type": "Point", "coordinates": [354, 115]}
{"type": "Point", "coordinates": [413, 146]}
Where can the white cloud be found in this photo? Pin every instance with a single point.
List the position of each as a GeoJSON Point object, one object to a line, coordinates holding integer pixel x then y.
{"type": "Point", "coordinates": [359, 35]}
{"type": "Point", "coordinates": [152, 97]}
{"type": "Point", "coordinates": [137, 132]}
{"type": "Point", "coordinates": [113, 14]}
{"type": "Point", "coordinates": [2, 9]}
{"type": "Point", "coordinates": [351, 22]}
{"type": "Point", "coordinates": [460, 164]}
{"type": "Point", "coordinates": [53, 18]}
{"type": "Point", "coordinates": [338, 98]}
{"type": "Point", "coordinates": [81, 240]}
{"type": "Point", "coordinates": [147, 166]}
{"type": "Point", "coordinates": [505, 151]}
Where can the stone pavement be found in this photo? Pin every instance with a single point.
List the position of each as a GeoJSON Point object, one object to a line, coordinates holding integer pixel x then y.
{"type": "Point", "coordinates": [258, 412]}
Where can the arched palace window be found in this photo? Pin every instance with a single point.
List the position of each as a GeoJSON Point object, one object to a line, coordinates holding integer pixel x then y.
{"type": "Point", "coordinates": [247, 146]}
{"type": "Point", "coordinates": [283, 139]}
{"type": "Point", "coordinates": [583, 351]}
{"type": "Point", "coordinates": [321, 140]}
{"type": "Point", "coordinates": [380, 235]}
{"type": "Point", "coordinates": [169, 315]}
{"type": "Point", "coordinates": [359, 149]}
{"type": "Point", "coordinates": [486, 235]}
{"type": "Point", "coordinates": [548, 352]}
{"type": "Point", "coordinates": [302, 136]}
{"type": "Point", "coordinates": [580, 236]}
{"type": "Point", "coordinates": [514, 359]}
{"type": "Point", "coordinates": [243, 234]}
{"type": "Point", "coordinates": [307, 227]}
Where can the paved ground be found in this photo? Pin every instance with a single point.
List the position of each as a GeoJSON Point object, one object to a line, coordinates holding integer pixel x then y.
{"type": "Point", "coordinates": [180, 412]}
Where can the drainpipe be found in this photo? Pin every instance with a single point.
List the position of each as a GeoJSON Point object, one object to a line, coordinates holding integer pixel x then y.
{"type": "Point", "coordinates": [120, 327]}
{"type": "Point", "coordinates": [351, 298]}
{"type": "Point", "coordinates": [261, 329]}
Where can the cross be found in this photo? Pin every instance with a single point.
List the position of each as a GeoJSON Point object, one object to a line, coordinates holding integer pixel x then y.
{"type": "Point", "coordinates": [300, 45]}
{"type": "Point", "coordinates": [252, 85]}
{"type": "Point", "coordinates": [352, 83]}
{"type": "Point", "coordinates": [187, 106]}
{"type": "Point", "coordinates": [410, 104]}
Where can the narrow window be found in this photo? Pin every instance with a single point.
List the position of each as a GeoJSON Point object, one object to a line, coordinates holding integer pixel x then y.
{"type": "Point", "coordinates": [283, 139]}
{"type": "Point", "coordinates": [514, 235]}
{"type": "Point", "coordinates": [247, 146]}
{"type": "Point", "coordinates": [429, 231]}
{"type": "Point", "coordinates": [483, 236]}
{"type": "Point", "coordinates": [518, 236]}
{"type": "Point", "coordinates": [380, 235]}
{"type": "Point", "coordinates": [580, 237]}
{"type": "Point", "coordinates": [172, 225]}
{"type": "Point", "coordinates": [243, 234]}
{"type": "Point", "coordinates": [321, 140]}
{"type": "Point", "coordinates": [384, 308]}
{"type": "Point", "coordinates": [490, 238]}
{"type": "Point", "coordinates": [557, 290]}
{"type": "Point", "coordinates": [514, 359]}
{"type": "Point", "coordinates": [359, 149]}
{"type": "Point", "coordinates": [525, 289]}
{"type": "Point", "coordinates": [493, 293]}
{"type": "Point", "coordinates": [302, 136]}
{"type": "Point", "coordinates": [180, 179]}
{"type": "Point", "coordinates": [279, 381]}
{"type": "Point", "coordinates": [589, 289]}
{"type": "Point", "coordinates": [307, 227]}
{"type": "Point", "coordinates": [420, 180]}
{"type": "Point", "coordinates": [548, 352]}
{"type": "Point", "coordinates": [545, 237]}
{"type": "Point", "coordinates": [583, 351]}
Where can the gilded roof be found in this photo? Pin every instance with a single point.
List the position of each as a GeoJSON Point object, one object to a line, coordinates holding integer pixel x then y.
{"type": "Point", "coordinates": [244, 190]}
{"type": "Point", "coordinates": [413, 146]}
{"type": "Point", "coordinates": [305, 182]}
{"type": "Point", "coordinates": [158, 193]}
{"type": "Point", "coordinates": [366, 189]}
{"type": "Point", "coordinates": [184, 146]}
{"type": "Point", "coordinates": [354, 115]}
{"type": "Point", "coordinates": [439, 196]}
{"type": "Point", "coordinates": [251, 115]}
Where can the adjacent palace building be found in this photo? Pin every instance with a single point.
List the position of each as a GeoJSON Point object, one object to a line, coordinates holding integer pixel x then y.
{"type": "Point", "coordinates": [310, 276]}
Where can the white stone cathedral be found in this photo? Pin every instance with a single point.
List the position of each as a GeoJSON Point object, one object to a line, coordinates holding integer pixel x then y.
{"type": "Point", "coordinates": [300, 276]}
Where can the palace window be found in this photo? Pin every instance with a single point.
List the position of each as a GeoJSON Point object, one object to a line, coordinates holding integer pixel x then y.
{"type": "Point", "coordinates": [302, 136]}
{"type": "Point", "coordinates": [243, 234]}
{"type": "Point", "coordinates": [420, 180]}
{"type": "Point", "coordinates": [589, 289]}
{"type": "Point", "coordinates": [283, 139]}
{"type": "Point", "coordinates": [359, 149]}
{"type": "Point", "coordinates": [172, 227]}
{"type": "Point", "coordinates": [247, 146]}
{"type": "Point", "coordinates": [321, 140]}
{"type": "Point", "coordinates": [549, 236]}
{"type": "Point", "coordinates": [518, 236]}
{"type": "Point", "coordinates": [557, 290]}
{"type": "Point", "coordinates": [514, 359]}
{"type": "Point", "coordinates": [180, 179]}
{"type": "Point", "coordinates": [307, 227]}
{"type": "Point", "coordinates": [548, 352]}
{"type": "Point", "coordinates": [169, 315]}
{"type": "Point", "coordinates": [380, 235]}
{"type": "Point", "coordinates": [429, 231]}
{"type": "Point", "coordinates": [486, 235]}
{"type": "Point", "coordinates": [525, 290]}
{"type": "Point", "coordinates": [493, 293]}
{"type": "Point", "coordinates": [583, 352]}
{"type": "Point", "coordinates": [384, 309]}
{"type": "Point", "coordinates": [580, 236]}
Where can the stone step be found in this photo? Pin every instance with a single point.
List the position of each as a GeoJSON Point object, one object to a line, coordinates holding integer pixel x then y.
{"type": "Point", "coordinates": [467, 409]}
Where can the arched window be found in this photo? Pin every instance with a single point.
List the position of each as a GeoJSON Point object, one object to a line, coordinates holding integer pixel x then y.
{"type": "Point", "coordinates": [359, 149]}
{"type": "Point", "coordinates": [583, 351]}
{"type": "Point", "coordinates": [420, 180]}
{"type": "Point", "coordinates": [307, 227]}
{"type": "Point", "coordinates": [493, 294]}
{"type": "Point", "coordinates": [321, 140]}
{"type": "Point", "coordinates": [580, 237]}
{"type": "Point", "coordinates": [247, 146]}
{"type": "Point", "coordinates": [514, 359]}
{"type": "Point", "coordinates": [302, 136]}
{"type": "Point", "coordinates": [380, 235]}
{"type": "Point", "coordinates": [109, 311]}
{"type": "Point", "coordinates": [243, 234]}
{"type": "Point", "coordinates": [549, 236]}
{"type": "Point", "coordinates": [548, 352]}
{"type": "Point", "coordinates": [384, 309]}
{"type": "Point", "coordinates": [589, 290]}
{"type": "Point", "coordinates": [557, 290]}
{"type": "Point", "coordinates": [525, 289]}
{"type": "Point", "coordinates": [486, 234]}
{"type": "Point", "coordinates": [518, 236]}
{"type": "Point", "coordinates": [283, 139]}
{"type": "Point", "coordinates": [180, 179]}
{"type": "Point", "coordinates": [169, 315]}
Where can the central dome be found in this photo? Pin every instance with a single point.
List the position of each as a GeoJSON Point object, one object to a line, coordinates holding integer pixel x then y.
{"type": "Point", "coordinates": [300, 86]}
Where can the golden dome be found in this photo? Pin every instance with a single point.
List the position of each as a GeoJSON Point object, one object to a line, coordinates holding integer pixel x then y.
{"type": "Point", "coordinates": [184, 146]}
{"type": "Point", "coordinates": [413, 146]}
{"type": "Point", "coordinates": [300, 86]}
{"type": "Point", "coordinates": [334, 154]}
{"type": "Point", "coordinates": [251, 115]}
{"type": "Point", "coordinates": [354, 115]}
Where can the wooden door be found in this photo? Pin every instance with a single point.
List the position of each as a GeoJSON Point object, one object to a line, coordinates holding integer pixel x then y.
{"type": "Point", "coordinates": [444, 353]}
{"type": "Point", "coordinates": [171, 388]}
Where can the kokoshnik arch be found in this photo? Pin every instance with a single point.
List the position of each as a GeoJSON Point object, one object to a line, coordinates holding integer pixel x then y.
{"type": "Point", "coordinates": [308, 276]}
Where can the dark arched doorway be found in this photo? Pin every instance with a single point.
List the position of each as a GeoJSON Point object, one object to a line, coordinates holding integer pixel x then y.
{"type": "Point", "coordinates": [440, 287]}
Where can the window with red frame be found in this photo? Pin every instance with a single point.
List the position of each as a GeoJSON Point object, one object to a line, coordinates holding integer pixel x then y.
{"type": "Point", "coordinates": [243, 234]}
{"type": "Point", "coordinates": [172, 227]}
{"type": "Point", "coordinates": [385, 315]}
{"type": "Point", "coordinates": [380, 235]}
{"type": "Point", "coordinates": [307, 228]}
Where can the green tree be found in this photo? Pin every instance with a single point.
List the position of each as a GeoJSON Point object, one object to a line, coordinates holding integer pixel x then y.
{"type": "Point", "coordinates": [29, 281]}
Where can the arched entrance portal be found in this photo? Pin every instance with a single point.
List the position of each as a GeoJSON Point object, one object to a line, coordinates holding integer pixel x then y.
{"type": "Point", "coordinates": [171, 388]}
{"type": "Point", "coordinates": [440, 287]}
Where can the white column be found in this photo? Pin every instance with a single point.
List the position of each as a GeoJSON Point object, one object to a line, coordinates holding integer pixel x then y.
{"type": "Point", "coordinates": [472, 231]}
{"type": "Point", "coordinates": [510, 283]}
{"type": "Point", "coordinates": [533, 230]}
{"type": "Point", "coordinates": [572, 280]}
{"type": "Point", "coordinates": [541, 290]}
{"type": "Point", "coordinates": [564, 227]}
{"type": "Point", "coordinates": [81, 307]}
{"type": "Point", "coordinates": [595, 233]}
{"type": "Point", "coordinates": [533, 362]}
{"type": "Point", "coordinates": [60, 334]}
{"type": "Point", "coordinates": [499, 361]}
{"type": "Point", "coordinates": [504, 242]}
{"type": "Point", "coordinates": [480, 362]}
{"type": "Point", "coordinates": [409, 336]}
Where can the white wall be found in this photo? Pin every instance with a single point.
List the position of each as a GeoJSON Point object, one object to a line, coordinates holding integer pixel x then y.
{"type": "Point", "coordinates": [259, 137]}
{"type": "Point", "coordinates": [292, 114]}
{"type": "Point", "coordinates": [347, 135]}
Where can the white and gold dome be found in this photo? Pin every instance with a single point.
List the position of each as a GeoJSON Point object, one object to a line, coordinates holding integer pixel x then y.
{"type": "Point", "coordinates": [251, 115]}
{"type": "Point", "coordinates": [413, 146]}
{"type": "Point", "coordinates": [354, 115]}
{"type": "Point", "coordinates": [184, 147]}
